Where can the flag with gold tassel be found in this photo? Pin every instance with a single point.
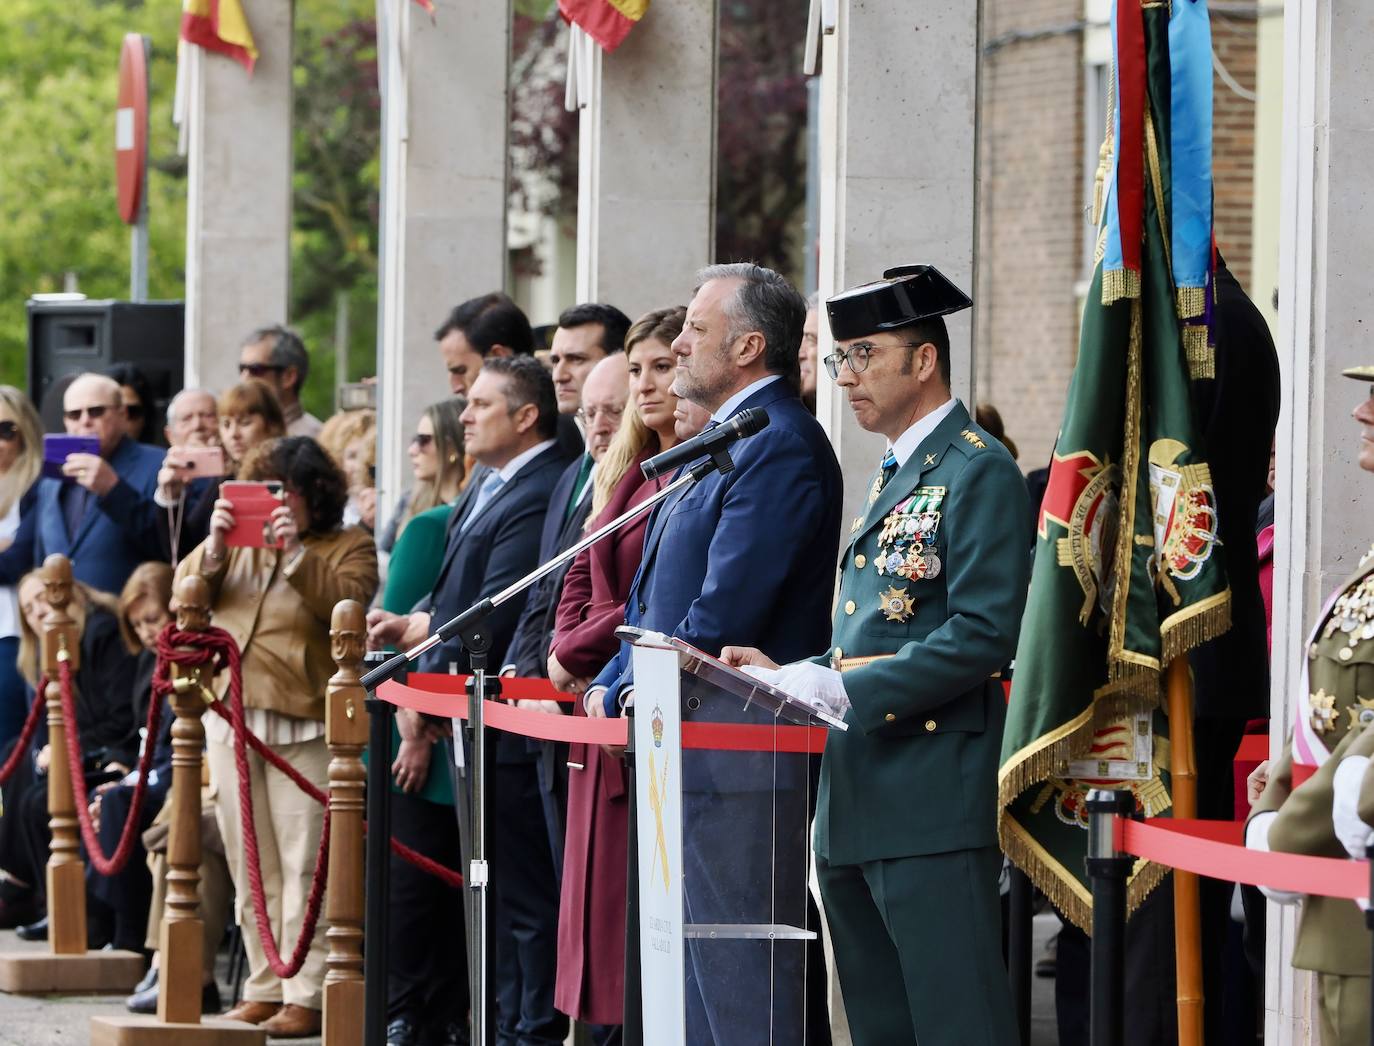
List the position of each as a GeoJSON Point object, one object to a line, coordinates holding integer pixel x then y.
{"type": "Point", "coordinates": [1125, 579]}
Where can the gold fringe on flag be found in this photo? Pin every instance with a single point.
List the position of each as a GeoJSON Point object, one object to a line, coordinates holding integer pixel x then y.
{"type": "Point", "coordinates": [1192, 302]}
{"type": "Point", "coordinates": [1118, 284]}
{"type": "Point", "coordinates": [1201, 357]}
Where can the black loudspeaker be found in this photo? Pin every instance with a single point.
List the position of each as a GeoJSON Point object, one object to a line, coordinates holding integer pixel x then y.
{"type": "Point", "coordinates": [67, 338]}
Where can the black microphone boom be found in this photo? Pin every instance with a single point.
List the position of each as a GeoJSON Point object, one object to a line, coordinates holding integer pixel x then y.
{"type": "Point", "coordinates": [710, 443]}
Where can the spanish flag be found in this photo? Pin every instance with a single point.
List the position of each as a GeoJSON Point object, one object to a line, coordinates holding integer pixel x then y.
{"type": "Point", "coordinates": [219, 26]}
{"type": "Point", "coordinates": [607, 22]}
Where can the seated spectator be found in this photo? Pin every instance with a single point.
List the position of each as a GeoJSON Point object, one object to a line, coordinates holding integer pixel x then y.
{"type": "Point", "coordinates": [438, 464]}
{"type": "Point", "coordinates": [192, 420]}
{"type": "Point", "coordinates": [591, 928]}
{"type": "Point", "coordinates": [350, 438]}
{"type": "Point", "coordinates": [277, 356]}
{"type": "Point", "coordinates": [248, 415]}
{"type": "Point", "coordinates": [277, 604]}
{"type": "Point", "coordinates": [105, 725]}
{"type": "Point", "coordinates": [136, 393]}
{"type": "Point", "coordinates": [21, 459]}
{"type": "Point", "coordinates": [117, 905]}
{"type": "Point", "coordinates": [101, 514]}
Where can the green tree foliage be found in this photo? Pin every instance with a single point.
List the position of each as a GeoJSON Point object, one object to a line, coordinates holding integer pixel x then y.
{"type": "Point", "coordinates": [59, 67]}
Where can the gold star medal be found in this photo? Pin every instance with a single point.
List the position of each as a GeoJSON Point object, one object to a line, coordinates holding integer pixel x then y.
{"type": "Point", "coordinates": [896, 605]}
{"type": "Point", "coordinates": [1361, 713]}
{"type": "Point", "coordinates": [1323, 711]}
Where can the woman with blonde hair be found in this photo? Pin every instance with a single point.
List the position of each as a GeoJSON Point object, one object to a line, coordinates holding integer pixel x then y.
{"type": "Point", "coordinates": [21, 462]}
{"type": "Point", "coordinates": [249, 414]}
{"type": "Point", "coordinates": [438, 464]}
{"type": "Point", "coordinates": [350, 438]}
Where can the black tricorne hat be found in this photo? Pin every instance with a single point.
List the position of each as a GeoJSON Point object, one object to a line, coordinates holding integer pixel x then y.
{"type": "Point", "coordinates": [906, 294]}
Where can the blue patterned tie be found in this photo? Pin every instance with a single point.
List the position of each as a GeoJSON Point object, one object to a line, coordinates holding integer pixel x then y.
{"type": "Point", "coordinates": [490, 486]}
{"type": "Point", "coordinates": [889, 468]}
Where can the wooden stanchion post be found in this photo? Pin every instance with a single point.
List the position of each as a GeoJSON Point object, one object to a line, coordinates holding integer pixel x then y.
{"type": "Point", "coordinates": [346, 729]}
{"type": "Point", "coordinates": [181, 935]}
{"type": "Point", "coordinates": [1187, 905]}
{"type": "Point", "coordinates": [67, 966]}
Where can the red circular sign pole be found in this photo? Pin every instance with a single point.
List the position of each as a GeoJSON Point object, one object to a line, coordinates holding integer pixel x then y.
{"type": "Point", "coordinates": [131, 156]}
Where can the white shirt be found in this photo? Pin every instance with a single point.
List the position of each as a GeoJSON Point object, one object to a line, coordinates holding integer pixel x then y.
{"type": "Point", "coordinates": [727, 409]}
{"type": "Point", "coordinates": [515, 464]}
{"type": "Point", "coordinates": [908, 441]}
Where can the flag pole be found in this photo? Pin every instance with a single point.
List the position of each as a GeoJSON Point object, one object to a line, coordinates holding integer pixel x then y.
{"type": "Point", "coordinates": [1187, 914]}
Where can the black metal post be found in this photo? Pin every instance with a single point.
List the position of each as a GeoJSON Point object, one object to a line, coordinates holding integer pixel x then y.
{"type": "Point", "coordinates": [1107, 872]}
{"type": "Point", "coordinates": [1019, 934]}
{"type": "Point", "coordinates": [378, 880]}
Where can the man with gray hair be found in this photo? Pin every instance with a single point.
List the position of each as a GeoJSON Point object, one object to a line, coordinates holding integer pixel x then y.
{"type": "Point", "coordinates": [277, 356]}
{"type": "Point", "coordinates": [749, 553]}
{"type": "Point", "coordinates": [192, 420]}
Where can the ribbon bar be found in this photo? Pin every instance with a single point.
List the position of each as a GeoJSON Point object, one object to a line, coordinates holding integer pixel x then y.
{"type": "Point", "coordinates": [1216, 849]}
{"type": "Point", "coordinates": [451, 702]}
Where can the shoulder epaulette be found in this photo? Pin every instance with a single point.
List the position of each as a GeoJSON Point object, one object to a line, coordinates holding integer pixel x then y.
{"type": "Point", "coordinates": [974, 438]}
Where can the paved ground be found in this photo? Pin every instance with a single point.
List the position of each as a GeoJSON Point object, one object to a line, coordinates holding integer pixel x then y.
{"type": "Point", "coordinates": [65, 1020]}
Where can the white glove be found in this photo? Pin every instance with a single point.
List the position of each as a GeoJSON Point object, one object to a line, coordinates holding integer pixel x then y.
{"type": "Point", "coordinates": [1257, 838]}
{"type": "Point", "coordinates": [1353, 833]}
{"type": "Point", "coordinates": [819, 688]}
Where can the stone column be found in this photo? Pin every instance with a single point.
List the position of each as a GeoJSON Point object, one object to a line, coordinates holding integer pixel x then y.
{"type": "Point", "coordinates": [444, 127]}
{"type": "Point", "coordinates": [1322, 523]}
{"type": "Point", "coordinates": [238, 206]}
{"type": "Point", "coordinates": [646, 189]}
{"type": "Point", "coordinates": [898, 115]}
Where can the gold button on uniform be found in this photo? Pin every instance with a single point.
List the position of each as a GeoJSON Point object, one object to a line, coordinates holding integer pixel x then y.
{"type": "Point", "coordinates": [850, 607]}
{"type": "Point", "coordinates": [839, 651]}
{"type": "Point", "coordinates": [861, 561]}
{"type": "Point", "coordinates": [1346, 653]}
{"type": "Point", "coordinates": [930, 726]}
{"type": "Point", "coordinates": [890, 716]}
{"type": "Point", "coordinates": [1312, 650]}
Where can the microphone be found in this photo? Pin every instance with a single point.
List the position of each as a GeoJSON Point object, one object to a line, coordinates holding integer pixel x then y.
{"type": "Point", "coordinates": [710, 443]}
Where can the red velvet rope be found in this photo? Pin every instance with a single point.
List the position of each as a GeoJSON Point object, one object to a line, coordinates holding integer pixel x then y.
{"type": "Point", "coordinates": [1216, 849]}
{"type": "Point", "coordinates": [115, 863]}
{"type": "Point", "coordinates": [25, 735]}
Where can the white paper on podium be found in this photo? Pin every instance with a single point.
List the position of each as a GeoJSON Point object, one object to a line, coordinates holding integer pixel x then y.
{"type": "Point", "coordinates": [658, 794]}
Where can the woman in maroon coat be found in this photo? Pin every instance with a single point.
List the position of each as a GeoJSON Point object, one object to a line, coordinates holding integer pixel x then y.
{"type": "Point", "coordinates": [591, 925]}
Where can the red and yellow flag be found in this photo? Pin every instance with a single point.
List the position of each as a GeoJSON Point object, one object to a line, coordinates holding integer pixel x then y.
{"type": "Point", "coordinates": [219, 26]}
{"type": "Point", "coordinates": [607, 22]}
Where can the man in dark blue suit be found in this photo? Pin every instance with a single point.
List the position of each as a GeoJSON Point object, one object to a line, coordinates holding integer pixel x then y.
{"type": "Point", "coordinates": [101, 516]}
{"type": "Point", "coordinates": [749, 553]}
{"type": "Point", "coordinates": [510, 428]}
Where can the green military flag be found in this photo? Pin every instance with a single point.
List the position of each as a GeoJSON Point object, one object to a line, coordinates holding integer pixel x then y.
{"type": "Point", "coordinates": [1125, 579]}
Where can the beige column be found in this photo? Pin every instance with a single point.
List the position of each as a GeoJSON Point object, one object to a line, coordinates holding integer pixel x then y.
{"type": "Point", "coordinates": [646, 161]}
{"type": "Point", "coordinates": [898, 113]}
{"type": "Point", "coordinates": [238, 206]}
{"type": "Point", "coordinates": [444, 127]}
{"type": "Point", "coordinates": [1322, 521]}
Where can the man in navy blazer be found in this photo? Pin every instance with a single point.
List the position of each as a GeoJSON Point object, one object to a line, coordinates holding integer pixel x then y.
{"type": "Point", "coordinates": [101, 515]}
{"type": "Point", "coordinates": [753, 553]}
{"type": "Point", "coordinates": [510, 428]}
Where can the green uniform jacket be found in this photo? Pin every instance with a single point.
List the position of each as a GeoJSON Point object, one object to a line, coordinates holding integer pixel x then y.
{"type": "Point", "coordinates": [1332, 937]}
{"type": "Point", "coordinates": [916, 773]}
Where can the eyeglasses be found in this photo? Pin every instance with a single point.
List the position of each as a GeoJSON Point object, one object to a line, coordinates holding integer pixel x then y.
{"type": "Point", "coordinates": [9, 431]}
{"type": "Point", "coordinates": [94, 413]}
{"type": "Point", "coordinates": [257, 370]}
{"type": "Point", "coordinates": [421, 440]}
{"type": "Point", "coordinates": [857, 356]}
{"type": "Point", "coordinates": [589, 416]}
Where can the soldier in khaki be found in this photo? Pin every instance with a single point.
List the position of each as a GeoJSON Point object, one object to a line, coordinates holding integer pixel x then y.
{"type": "Point", "coordinates": [1306, 803]}
{"type": "Point", "coordinates": [932, 586]}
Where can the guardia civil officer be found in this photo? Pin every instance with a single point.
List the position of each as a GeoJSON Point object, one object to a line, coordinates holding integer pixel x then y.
{"type": "Point", "coordinates": [932, 586]}
{"type": "Point", "coordinates": [1312, 802]}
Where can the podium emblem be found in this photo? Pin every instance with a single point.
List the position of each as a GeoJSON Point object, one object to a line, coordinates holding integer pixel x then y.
{"type": "Point", "coordinates": [656, 725]}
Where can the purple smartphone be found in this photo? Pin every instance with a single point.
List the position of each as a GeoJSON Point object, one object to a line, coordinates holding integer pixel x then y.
{"type": "Point", "coordinates": [57, 447]}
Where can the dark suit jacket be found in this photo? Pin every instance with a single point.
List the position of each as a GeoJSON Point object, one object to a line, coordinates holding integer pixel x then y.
{"type": "Point", "coordinates": [1238, 413]}
{"type": "Point", "coordinates": [499, 547]}
{"type": "Point", "coordinates": [747, 558]}
{"type": "Point", "coordinates": [529, 649]}
{"type": "Point", "coordinates": [119, 530]}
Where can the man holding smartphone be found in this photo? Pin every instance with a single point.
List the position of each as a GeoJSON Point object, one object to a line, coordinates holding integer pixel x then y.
{"type": "Point", "coordinates": [101, 514]}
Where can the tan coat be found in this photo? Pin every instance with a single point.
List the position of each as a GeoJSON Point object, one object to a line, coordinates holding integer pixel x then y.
{"type": "Point", "coordinates": [280, 618]}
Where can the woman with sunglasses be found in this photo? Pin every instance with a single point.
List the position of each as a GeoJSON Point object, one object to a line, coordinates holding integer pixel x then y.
{"type": "Point", "coordinates": [21, 461]}
{"type": "Point", "coordinates": [249, 414]}
{"type": "Point", "coordinates": [437, 463]}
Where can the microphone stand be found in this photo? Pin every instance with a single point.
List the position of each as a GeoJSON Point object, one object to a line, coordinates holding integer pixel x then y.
{"type": "Point", "coordinates": [472, 627]}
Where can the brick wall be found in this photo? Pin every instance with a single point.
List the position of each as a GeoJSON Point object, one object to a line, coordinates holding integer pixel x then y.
{"type": "Point", "coordinates": [1032, 202]}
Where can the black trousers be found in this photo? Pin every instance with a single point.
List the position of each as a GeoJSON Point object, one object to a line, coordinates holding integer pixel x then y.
{"type": "Point", "coordinates": [120, 901]}
{"type": "Point", "coordinates": [24, 835]}
{"type": "Point", "coordinates": [427, 981]}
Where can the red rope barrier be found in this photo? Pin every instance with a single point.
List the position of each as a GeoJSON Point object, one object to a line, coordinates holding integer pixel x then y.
{"type": "Point", "coordinates": [1216, 849]}
{"type": "Point", "coordinates": [21, 746]}
{"type": "Point", "coordinates": [114, 863]}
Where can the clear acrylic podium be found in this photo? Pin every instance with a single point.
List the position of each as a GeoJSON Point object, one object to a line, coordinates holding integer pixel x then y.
{"type": "Point", "coordinates": [724, 849]}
